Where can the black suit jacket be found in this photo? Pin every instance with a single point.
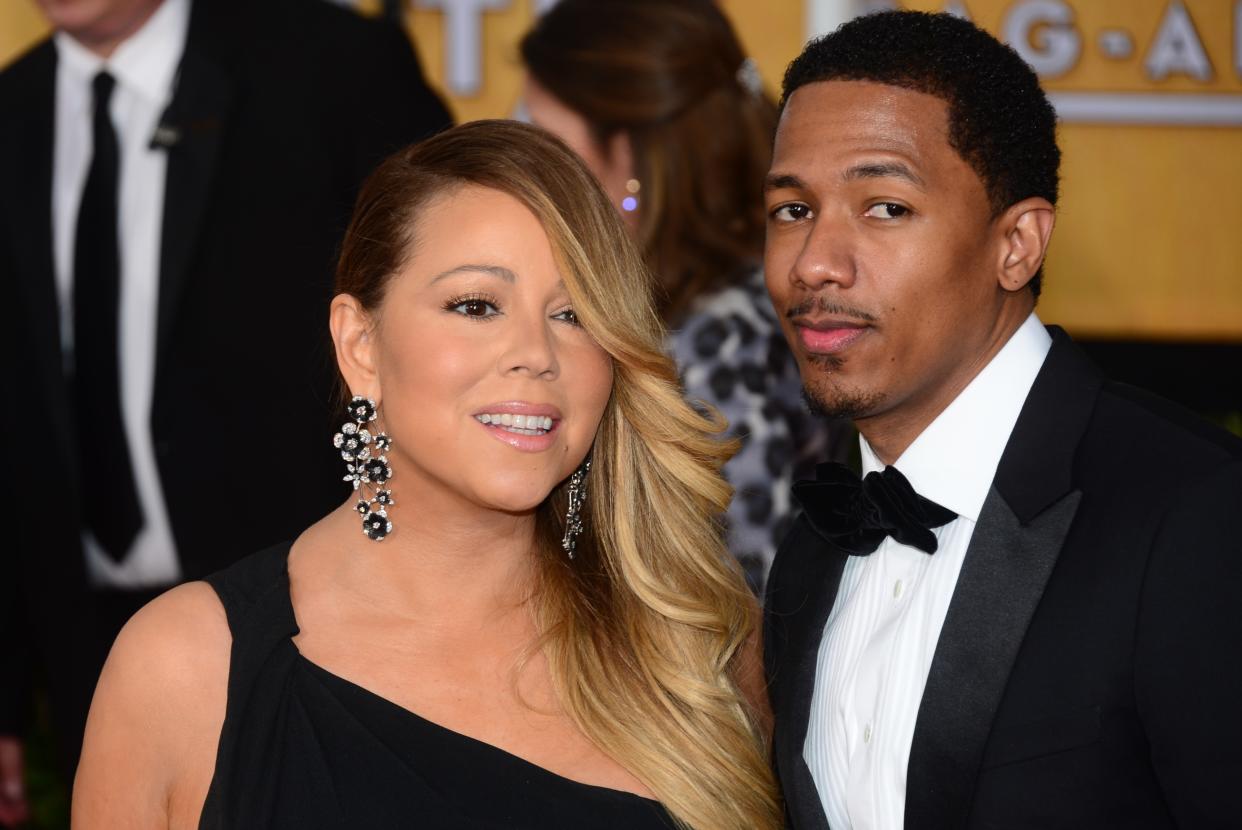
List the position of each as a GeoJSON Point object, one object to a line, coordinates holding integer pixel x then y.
{"type": "Point", "coordinates": [281, 108]}
{"type": "Point", "coordinates": [1089, 672]}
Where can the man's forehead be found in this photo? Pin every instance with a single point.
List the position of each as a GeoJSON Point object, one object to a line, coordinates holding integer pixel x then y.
{"type": "Point", "coordinates": [831, 118]}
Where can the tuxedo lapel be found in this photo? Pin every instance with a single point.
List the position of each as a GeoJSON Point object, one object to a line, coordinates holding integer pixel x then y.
{"type": "Point", "coordinates": [29, 170]}
{"type": "Point", "coordinates": [798, 608]}
{"type": "Point", "coordinates": [1003, 577]}
{"type": "Point", "coordinates": [1022, 527]}
{"type": "Point", "coordinates": [192, 128]}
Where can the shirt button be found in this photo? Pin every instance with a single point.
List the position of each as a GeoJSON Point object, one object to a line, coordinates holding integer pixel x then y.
{"type": "Point", "coordinates": [867, 734]}
{"type": "Point", "coordinates": [899, 588]}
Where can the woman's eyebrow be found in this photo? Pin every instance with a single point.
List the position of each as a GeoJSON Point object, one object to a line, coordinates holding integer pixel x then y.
{"type": "Point", "coordinates": [494, 270]}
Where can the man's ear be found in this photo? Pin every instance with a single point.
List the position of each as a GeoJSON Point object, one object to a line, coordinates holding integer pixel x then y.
{"type": "Point", "coordinates": [352, 335]}
{"type": "Point", "coordinates": [1023, 231]}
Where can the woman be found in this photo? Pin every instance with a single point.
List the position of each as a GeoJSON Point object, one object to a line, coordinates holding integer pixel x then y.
{"type": "Point", "coordinates": [661, 102]}
{"type": "Point", "coordinates": [538, 575]}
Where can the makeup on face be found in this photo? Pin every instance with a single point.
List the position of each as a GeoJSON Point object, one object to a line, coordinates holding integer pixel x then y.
{"type": "Point", "coordinates": [491, 386]}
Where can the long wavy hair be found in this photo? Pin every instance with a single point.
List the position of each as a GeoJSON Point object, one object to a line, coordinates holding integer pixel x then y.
{"type": "Point", "coordinates": [644, 629]}
{"type": "Point", "coordinates": [669, 74]}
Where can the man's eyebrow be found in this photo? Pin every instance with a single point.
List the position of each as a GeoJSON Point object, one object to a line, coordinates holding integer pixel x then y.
{"type": "Point", "coordinates": [882, 170]}
{"type": "Point", "coordinates": [781, 181]}
{"type": "Point", "coordinates": [494, 270]}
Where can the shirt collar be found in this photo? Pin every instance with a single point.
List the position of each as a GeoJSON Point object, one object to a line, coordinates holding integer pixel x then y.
{"type": "Point", "coordinates": [146, 62]}
{"type": "Point", "coordinates": [953, 461]}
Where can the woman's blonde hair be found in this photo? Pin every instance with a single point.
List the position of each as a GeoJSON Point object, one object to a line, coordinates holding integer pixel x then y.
{"type": "Point", "coordinates": [644, 629]}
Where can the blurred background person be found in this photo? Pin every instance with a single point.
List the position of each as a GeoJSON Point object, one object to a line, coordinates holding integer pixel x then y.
{"type": "Point", "coordinates": [167, 166]}
{"type": "Point", "coordinates": [659, 99]}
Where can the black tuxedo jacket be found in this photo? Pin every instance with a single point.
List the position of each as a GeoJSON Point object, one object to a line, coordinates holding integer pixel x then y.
{"type": "Point", "coordinates": [281, 108]}
{"type": "Point", "coordinates": [1089, 672]}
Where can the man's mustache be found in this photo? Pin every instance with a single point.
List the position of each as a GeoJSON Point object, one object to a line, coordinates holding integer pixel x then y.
{"type": "Point", "coordinates": [826, 306]}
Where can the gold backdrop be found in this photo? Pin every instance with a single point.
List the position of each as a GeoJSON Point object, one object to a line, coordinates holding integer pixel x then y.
{"type": "Point", "coordinates": [1149, 243]}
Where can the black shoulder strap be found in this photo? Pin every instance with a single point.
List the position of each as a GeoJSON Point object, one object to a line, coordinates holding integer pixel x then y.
{"type": "Point", "coordinates": [255, 591]}
{"type": "Point", "coordinates": [255, 595]}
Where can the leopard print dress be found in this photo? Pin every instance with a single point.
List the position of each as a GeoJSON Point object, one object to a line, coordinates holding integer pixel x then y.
{"type": "Point", "coordinates": [732, 355]}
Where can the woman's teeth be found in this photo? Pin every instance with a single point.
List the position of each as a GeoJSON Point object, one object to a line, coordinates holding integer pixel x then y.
{"type": "Point", "coordinates": [520, 424]}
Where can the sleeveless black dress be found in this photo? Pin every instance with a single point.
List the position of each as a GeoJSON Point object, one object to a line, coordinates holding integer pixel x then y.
{"type": "Point", "coordinates": [302, 748]}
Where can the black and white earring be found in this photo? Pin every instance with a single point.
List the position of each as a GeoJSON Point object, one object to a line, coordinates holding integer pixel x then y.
{"type": "Point", "coordinates": [573, 515]}
{"type": "Point", "coordinates": [367, 467]}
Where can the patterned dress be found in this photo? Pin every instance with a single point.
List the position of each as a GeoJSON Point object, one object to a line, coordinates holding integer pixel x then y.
{"type": "Point", "coordinates": [732, 355]}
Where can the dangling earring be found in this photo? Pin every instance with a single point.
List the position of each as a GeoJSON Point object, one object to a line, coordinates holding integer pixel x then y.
{"type": "Point", "coordinates": [573, 515]}
{"type": "Point", "coordinates": [365, 472]}
{"type": "Point", "coordinates": [630, 203]}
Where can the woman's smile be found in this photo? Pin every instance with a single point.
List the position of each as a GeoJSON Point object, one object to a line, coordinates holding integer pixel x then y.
{"type": "Point", "coordinates": [525, 426]}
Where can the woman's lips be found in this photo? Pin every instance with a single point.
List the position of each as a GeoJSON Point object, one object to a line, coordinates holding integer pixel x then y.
{"type": "Point", "coordinates": [829, 338]}
{"type": "Point", "coordinates": [525, 426]}
{"type": "Point", "coordinates": [525, 443]}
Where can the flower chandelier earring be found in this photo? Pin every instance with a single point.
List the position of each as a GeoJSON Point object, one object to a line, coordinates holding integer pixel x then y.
{"type": "Point", "coordinates": [573, 515]}
{"type": "Point", "coordinates": [367, 467]}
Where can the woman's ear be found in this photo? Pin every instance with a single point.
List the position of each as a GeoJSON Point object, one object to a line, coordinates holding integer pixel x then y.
{"type": "Point", "coordinates": [618, 154]}
{"type": "Point", "coordinates": [353, 337]}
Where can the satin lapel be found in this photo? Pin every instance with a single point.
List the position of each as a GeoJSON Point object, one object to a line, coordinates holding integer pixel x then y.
{"type": "Point", "coordinates": [1014, 548]}
{"type": "Point", "coordinates": [197, 116]}
{"type": "Point", "coordinates": [1003, 577]}
{"type": "Point", "coordinates": [29, 169]}
{"type": "Point", "coordinates": [804, 602]}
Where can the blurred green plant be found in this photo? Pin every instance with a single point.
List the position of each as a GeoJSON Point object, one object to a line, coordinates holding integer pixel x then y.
{"type": "Point", "coordinates": [46, 787]}
{"type": "Point", "coordinates": [1231, 421]}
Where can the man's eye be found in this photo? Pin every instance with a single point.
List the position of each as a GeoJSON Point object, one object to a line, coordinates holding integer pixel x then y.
{"type": "Point", "coordinates": [472, 307]}
{"type": "Point", "coordinates": [887, 210]}
{"type": "Point", "coordinates": [791, 212]}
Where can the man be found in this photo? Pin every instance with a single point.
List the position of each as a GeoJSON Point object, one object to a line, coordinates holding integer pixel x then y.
{"type": "Point", "coordinates": [1026, 615]}
{"type": "Point", "coordinates": [174, 179]}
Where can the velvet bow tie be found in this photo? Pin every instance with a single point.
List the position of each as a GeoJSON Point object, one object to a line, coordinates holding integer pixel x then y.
{"type": "Point", "coordinates": [856, 514]}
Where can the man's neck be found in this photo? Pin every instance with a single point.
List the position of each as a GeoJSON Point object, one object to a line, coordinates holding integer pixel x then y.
{"type": "Point", "coordinates": [890, 433]}
{"type": "Point", "coordinates": [104, 40]}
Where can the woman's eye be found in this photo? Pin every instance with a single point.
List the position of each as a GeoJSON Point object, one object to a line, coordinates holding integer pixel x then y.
{"type": "Point", "coordinates": [473, 307]}
{"type": "Point", "coordinates": [887, 210]}
{"type": "Point", "coordinates": [567, 315]}
{"type": "Point", "coordinates": [791, 212]}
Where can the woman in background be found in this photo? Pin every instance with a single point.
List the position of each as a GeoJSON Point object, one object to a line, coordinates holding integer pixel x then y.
{"type": "Point", "coordinates": [522, 616]}
{"type": "Point", "coordinates": [661, 102]}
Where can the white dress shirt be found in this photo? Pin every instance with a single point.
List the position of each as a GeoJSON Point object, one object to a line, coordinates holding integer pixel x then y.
{"type": "Point", "coordinates": [144, 67]}
{"type": "Point", "coordinates": [882, 632]}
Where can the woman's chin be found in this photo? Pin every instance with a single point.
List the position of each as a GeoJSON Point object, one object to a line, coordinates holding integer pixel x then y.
{"type": "Point", "coordinates": [512, 503]}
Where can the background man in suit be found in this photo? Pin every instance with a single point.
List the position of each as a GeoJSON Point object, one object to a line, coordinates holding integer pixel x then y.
{"type": "Point", "coordinates": [1030, 618]}
{"type": "Point", "coordinates": [174, 179]}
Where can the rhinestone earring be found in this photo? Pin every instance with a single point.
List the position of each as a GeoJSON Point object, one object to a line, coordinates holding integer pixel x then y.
{"type": "Point", "coordinates": [573, 516]}
{"type": "Point", "coordinates": [629, 203]}
{"type": "Point", "coordinates": [367, 467]}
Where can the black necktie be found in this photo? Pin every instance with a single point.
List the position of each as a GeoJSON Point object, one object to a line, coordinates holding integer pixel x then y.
{"type": "Point", "coordinates": [856, 514]}
{"type": "Point", "coordinates": [109, 495]}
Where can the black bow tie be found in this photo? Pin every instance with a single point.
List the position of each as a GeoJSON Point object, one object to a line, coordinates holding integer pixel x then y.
{"type": "Point", "coordinates": [856, 514]}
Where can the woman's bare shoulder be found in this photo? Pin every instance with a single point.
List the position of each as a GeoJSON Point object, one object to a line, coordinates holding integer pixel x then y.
{"type": "Point", "coordinates": [157, 712]}
{"type": "Point", "coordinates": [177, 642]}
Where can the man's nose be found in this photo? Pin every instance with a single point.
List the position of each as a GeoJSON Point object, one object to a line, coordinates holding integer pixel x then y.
{"type": "Point", "coordinates": [827, 256]}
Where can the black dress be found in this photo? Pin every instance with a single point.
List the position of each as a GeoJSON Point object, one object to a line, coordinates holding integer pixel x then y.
{"type": "Point", "coordinates": [303, 748]}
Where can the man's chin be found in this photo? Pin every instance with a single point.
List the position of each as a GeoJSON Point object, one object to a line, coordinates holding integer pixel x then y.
{"type": "Point", "coordinates": [836, 404]}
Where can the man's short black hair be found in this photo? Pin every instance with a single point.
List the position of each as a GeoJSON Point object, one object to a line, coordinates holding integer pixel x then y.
{"type": "Point", "coordinates": [1000, 121]}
